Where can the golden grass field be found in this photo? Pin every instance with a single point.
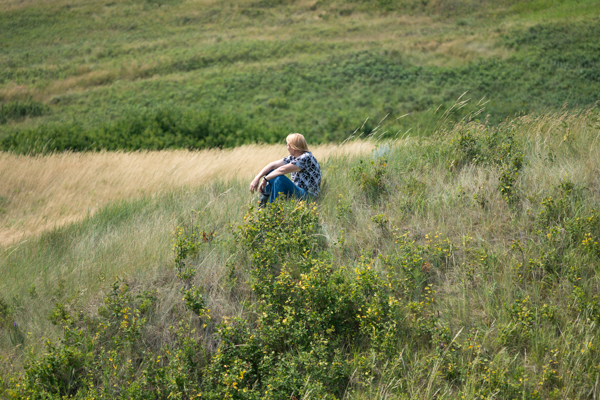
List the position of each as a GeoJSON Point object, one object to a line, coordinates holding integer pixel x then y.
{"type": "Point", "coordinates": [43, 192]}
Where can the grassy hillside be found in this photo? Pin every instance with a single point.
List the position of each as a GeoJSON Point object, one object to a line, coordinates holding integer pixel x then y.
{"type": "Point", "coordinates": [464, 265]}
{"type": "Point", "coordinates": [453, 252]}
{"type": "Point", "coordinates": [157, 74]}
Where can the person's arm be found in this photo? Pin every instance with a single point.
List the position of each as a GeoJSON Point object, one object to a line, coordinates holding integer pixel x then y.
{"type": "Point", "coordinates": [284, 169]}
{"type": "Point", "coordinates": [271, 166]}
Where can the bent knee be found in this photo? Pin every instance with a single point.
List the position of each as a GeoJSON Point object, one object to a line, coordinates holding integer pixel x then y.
{"type": "Point", "coordinates": [277, 178]}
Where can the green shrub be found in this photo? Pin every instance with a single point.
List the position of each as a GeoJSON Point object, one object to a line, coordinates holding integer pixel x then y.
{"type": "Point", "coordinates": [481, 144]}
{"type": "Point", "coordinates": [17, 110]}
{"type": "Point", "coordinates": [62, 372]}
{"type": "Point", "coordinates": [286, 232]}
{"type": "Point", "coordinates": [370, 176]}
{"type": "Point", "coordinates": [165, 127]}
{"type": "Point", "coordinates": [94, 355]}
{"type": "Point", "coordinates": [5, 313]}
{"type": "Point", "coordinates": [310, 316]}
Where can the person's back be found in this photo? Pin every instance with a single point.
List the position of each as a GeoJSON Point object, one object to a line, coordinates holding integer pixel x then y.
{"type": "Point", "coordinates": [309, 178]}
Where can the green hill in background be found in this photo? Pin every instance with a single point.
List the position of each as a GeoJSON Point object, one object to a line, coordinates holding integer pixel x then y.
{"type": "Point", "coordinates": [169, 74]}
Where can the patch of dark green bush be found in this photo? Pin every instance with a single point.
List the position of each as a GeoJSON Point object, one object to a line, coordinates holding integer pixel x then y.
{"type": "Point", "coordinates": [370, 176]}
{"type": "Point", "coordinates": [18, 110]}
{"type": "Point", "coordinates": [104, 348]}
{"type": "Point", "coordinates": [154, 129]}
{"type": "Point", "coordinates": [496, 146]}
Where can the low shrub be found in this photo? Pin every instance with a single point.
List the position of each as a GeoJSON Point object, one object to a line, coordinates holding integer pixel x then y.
{"type": "Point", "coordinates": [162, 127]}
{"type": "Point", "coordinates": [370, 176]}
{"type": "Point", "coordinates": [18, 110]}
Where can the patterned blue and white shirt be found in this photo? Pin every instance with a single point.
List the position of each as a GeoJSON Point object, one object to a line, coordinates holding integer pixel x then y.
{"type": "Point", "coordinates": [309, 178]}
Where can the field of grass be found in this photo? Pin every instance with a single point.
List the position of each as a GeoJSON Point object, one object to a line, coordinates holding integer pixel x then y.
{"type": "Point", "coordinates": [44, 192]}
{"type": "Point", "coordinates": [452, 254]}
{"type": "Point", "coordinates": [461, 265]}
{"type": "Point", "coordinates": [153, 74]}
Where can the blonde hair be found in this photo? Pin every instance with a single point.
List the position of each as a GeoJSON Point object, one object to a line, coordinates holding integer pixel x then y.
{"type": "Point", "coordinates": [297, 142]}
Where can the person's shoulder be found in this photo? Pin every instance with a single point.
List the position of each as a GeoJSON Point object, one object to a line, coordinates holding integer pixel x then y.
{"type": "Point", "coordinates": [307, 154]}
{"type": "Point", "coordinates": [310, 156]}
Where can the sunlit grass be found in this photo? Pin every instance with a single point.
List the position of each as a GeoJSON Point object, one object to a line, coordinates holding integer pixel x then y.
{"type": "Point", "coordinates": [49, 191]}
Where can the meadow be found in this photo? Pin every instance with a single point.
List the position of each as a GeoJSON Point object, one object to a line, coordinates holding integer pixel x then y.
{"type": "Point", "coordinates": [181, 74]}
{"type": "Point", "coordinates": [453, 252]}
{"type": "Point", "coordinates": [45, 192]}
{"type": "Point", "coordinates": [463, 266]}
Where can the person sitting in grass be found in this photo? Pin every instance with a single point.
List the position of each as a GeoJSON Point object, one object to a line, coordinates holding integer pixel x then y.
{"type": "Point", "coordinates": [303, 166]}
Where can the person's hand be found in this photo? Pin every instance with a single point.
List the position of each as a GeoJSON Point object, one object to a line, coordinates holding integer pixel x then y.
{"type": "Point", "coordinates": [263, 184]}
{"type": "Point", "coordinates": [254, 184]}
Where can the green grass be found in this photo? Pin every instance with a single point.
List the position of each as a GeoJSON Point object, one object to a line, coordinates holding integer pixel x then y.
{"type": "Point", "coordinates": [263, 69]}
{"type": "Point", "coordinates": [475, 244]}
{"type": "Point", "coordinates": [476, 248]}
{"type": "Point", "coordinates": [17, 110]}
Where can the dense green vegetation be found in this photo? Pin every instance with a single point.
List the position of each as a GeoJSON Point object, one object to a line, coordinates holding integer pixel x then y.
{"type": "Point", "coordinates": [219, 75]}
{"type": "Point", "coordinates": [464, 265]}
{"type": "Point", "coordinates": [459, 260]}
{"type": "Point", "coordinates": [17, 110]}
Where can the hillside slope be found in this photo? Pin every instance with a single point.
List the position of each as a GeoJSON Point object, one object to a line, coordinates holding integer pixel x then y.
{"type": "Point", "coordinates": [154, 74]}
{"type": "Point", "coordinates": [461, 266]}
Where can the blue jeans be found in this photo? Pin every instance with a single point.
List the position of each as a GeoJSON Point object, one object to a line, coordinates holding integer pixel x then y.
{"type": "Point", "coordinates": [282, 184]}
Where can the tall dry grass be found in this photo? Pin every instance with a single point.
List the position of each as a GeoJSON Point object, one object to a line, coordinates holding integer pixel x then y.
{"type": "Point", "coordinates": [42, 192]}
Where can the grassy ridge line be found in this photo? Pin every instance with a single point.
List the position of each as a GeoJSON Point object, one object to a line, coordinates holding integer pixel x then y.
{"type": "Point", "coordinates": [49, 191]}
{"type": "Point", "coordinates": [452, 194]}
